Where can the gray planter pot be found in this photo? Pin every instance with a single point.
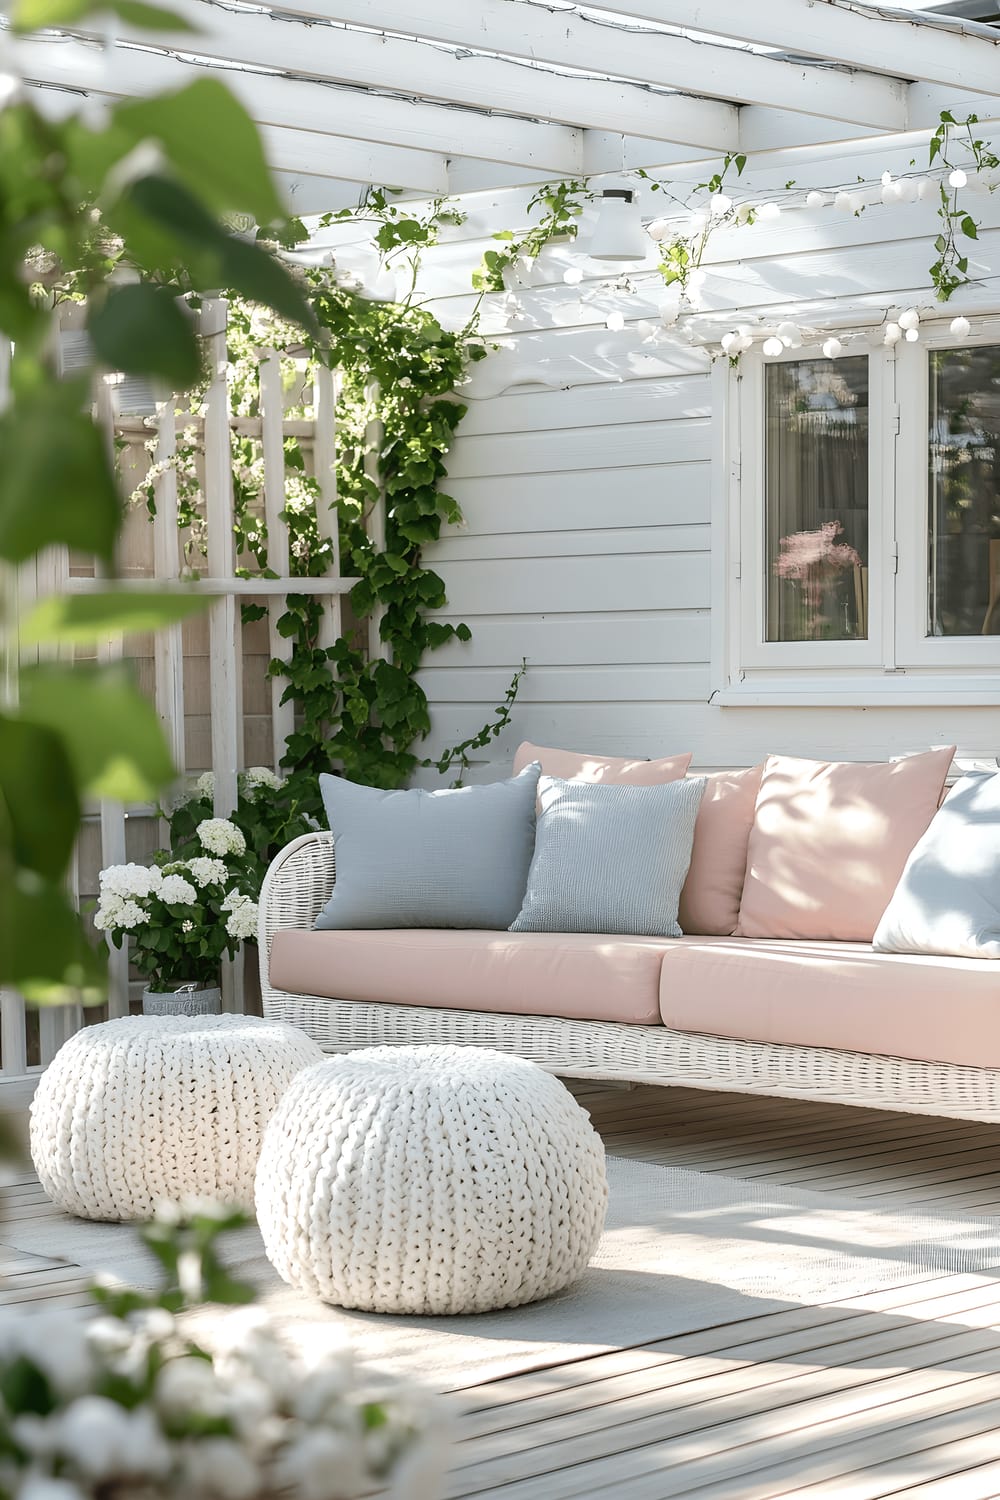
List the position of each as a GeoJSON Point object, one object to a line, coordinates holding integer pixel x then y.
{"type": "Point", "coordinates": [185, 1000]}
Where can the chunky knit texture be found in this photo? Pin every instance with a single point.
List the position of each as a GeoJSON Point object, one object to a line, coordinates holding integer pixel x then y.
{"type": "Point", "coordinates": [430, 1180]}
{"type": "Point", "coordinates": [144, 1110]}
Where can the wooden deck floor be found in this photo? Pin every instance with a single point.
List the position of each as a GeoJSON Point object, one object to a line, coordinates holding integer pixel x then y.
{"type": "Point", "coordinates": [895, 1393]}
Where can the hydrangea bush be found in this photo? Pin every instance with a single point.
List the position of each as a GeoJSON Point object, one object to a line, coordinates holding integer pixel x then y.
{"type": "Point", "coordinates": [183, 915]}
{"type": "Point", "coordinates": [128, 1404]}
{"type": "Point", "coordinates": [271, 810]}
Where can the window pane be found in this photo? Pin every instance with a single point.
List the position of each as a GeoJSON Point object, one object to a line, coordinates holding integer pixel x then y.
{"type": "Point", "coordinates": [816, 496]}
{"type": "Point", "coordinates": [964, 511]}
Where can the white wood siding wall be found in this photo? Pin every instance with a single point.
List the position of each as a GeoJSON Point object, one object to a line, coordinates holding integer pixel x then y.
{"type": "Point", "coordinates": [587, 547]}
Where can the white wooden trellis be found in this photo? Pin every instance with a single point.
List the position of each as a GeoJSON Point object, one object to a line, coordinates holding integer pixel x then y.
{"type": "Point", "coordinates": [56, 572]}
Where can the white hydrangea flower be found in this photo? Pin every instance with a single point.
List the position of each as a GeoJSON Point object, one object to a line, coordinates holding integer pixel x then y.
{"type": "Point", "coordinates": [321, 1465]}
{"type": "Point", "coordinates": [176, 891]}
{"type": "Point", "coordinates": [242, 921]}
{"type": "Point", "coordinates": [187, 927]}
{"type": "Point", "coordinates": [221, 1468]}
{"type": "Point", "coordinates": [205, 785]}
{"type": "Point", "coordinates": [44, 1487]}
{"type": "Point", "coordinates": [219, 836]}
{"type": "Point", "coordinates": [206, 871]}
{"type": "Point", "coordinates": [189, 1385]}
{"type": "Point", "coordinates": [256, 777]}
{"type": "Point", "coordinates": [131, 914]}
{"type": "Point", "coordinates": [105, 1441]}
{"type": "Point", "coordinates": [130, 880]}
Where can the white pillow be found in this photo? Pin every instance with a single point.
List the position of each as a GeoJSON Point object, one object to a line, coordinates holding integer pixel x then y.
{"type": "Point", "coordinates": [948, 897]}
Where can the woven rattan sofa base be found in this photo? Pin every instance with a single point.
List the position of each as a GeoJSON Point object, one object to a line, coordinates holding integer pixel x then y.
{"type": "Point", "coordinates": [300, 881]}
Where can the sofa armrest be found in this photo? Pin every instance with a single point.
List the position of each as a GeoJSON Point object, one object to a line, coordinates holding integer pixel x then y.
{"type": "Point", "coordinates": [297, 886]}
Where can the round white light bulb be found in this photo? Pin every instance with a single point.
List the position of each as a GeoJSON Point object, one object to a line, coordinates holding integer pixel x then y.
{"type": "Point", "coordinates": [744, 211]}
{"type": "Point", "coordinates": [572, 276]}
{"type": "Point", "coordinates": [832, 349]}
{"type": "Point", "coordinates": [815, 199]}
{"type": "Point", "coordinates": [790, 335]}
{"type": "Point", "coordinates": [669, 313]}
{"type": "Point", "coordinates": [957, 178]}
{"type": "Point", "coordinates": [891, 193]}
{"type": "Point", "coordinates": [658, 229]}
{"type": "Point", "coordinates": [720, 204]}
{"type": "Point", "coordinates": [615, 322]}
{"type": "Point", "coordinates": [911, 335]}
{"type": "Point", "coordinates": [886, 178]}
{"type": "Point", "coordinates": [728, 340]}
{"type": "Point", "coordinates": [909, 319]}
{"type": "Point", "coordinates": [773, 347]}
{"type": "Point", "coordinates": [892, 335]}
{"type": "Point", "coordinates": [769, 212]}
{"type": "Point", "coordinates": [960, 327]}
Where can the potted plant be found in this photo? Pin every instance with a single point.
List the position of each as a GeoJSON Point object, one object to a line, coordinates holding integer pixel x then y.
{"type": "Point", "coordinates": [183, 916]}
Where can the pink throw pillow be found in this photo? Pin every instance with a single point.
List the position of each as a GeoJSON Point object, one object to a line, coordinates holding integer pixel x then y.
{"type": "Point", "coordinates": [710, 900]}
{"type": "Point", "coordinates": [616, 770]}
{"type": "Point", "coordinates": [829, 842]}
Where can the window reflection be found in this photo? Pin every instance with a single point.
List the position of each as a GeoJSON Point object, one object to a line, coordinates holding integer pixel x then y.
{"type": "Point", "coordinates": [964, 510]}
{"type": "Point", "coordinates": [816, 489]}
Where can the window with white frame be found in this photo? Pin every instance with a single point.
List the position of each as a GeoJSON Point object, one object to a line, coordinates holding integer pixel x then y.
{"type": "Point", "coordinates": [857, 526]}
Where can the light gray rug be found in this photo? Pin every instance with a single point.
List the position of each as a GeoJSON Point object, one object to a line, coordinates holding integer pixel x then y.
{"type": "Point", "coordinates": [682, 1251]}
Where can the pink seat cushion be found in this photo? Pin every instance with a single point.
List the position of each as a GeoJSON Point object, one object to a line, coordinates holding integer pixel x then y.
{"type": "Point", "coordinates": [615, 769]}
{"type": "Point", "coordinates": [841, 995]}
{"type": "Point", "coordinates": [710, 900]}
{"type": "Point", "coordinates": [583, 976]}
{"type": "Point", "coordinates": [829, 842]}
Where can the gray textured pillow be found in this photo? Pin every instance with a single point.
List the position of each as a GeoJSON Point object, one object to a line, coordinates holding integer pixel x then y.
{"type": "Point", "coordinates": [948, 897]}
{"type": "Point", "coordinates": [456, 858]}
{"type": "Point", "coordinates": [610, 858]}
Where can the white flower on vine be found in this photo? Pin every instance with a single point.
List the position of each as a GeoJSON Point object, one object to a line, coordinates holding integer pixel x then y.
{"type": "Point", "coordinates": [187, 926]}
{"type": "Point", "coordinates": [220, 836]}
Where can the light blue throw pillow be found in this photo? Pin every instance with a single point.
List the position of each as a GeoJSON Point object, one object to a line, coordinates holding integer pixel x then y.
{"type": "Point", "coordinates": [610, 858]}
{"type": "Point", "coordinates": [455, 858]}
{"type": "Point", "coordinates": [948, 897]}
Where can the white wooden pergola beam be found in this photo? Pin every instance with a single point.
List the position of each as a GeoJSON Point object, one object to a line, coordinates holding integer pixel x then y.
{"type": "Point", "coordinates": [912, 45]}
{"type": "Point", "coordinates": [572, 40]}
{"type": "Point", "coordinates": [303, 153]}
{"type": "Point", "coordinates": [325, 109]}
{"type": "Point", "coordinates": [435, 73]}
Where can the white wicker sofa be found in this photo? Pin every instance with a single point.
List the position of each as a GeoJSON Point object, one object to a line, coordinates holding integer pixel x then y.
{"type": "Point", "coordinates": [300, 882]}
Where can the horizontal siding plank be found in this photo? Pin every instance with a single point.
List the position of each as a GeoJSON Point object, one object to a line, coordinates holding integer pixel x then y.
{"type": "Point", "coordinates": [660, 494]}
{"type": "Point", "coordinates": [578, 639]}
{"type": "Point", "coordinates": [540, 684]}
{"type": "Point", "coordinates": [617, 543]}
{"type": "Point", "coordinates": [582, 448]}
{"type": "Point", "coordinates": [633, 401]}
{"type": "Point", "coordinates": [557, 584]}
{"type": "Point", "coordinates": [719, 738]}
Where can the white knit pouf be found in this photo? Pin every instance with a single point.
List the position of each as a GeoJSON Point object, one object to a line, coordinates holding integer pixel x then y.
{"type": "Point", "coordinates": [135, 1112]}
{"type": "Point", "coordinates": [430, 1180]}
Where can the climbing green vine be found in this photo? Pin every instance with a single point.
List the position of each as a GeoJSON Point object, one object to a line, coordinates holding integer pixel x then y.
{"type": "Point", "coordinates": [951, 269]}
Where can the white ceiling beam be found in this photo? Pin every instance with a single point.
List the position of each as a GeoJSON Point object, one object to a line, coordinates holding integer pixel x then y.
{"type": "Point", "coordinates": [333, 110]}
{"type": "Point", "coordinates": [907, 45]}
{"type": "Point", "coordinates": [306, 154]}
{"type": "Point", "coordinates": [435, 73]}
{"type": "Point", "coordinates": [572, 40]}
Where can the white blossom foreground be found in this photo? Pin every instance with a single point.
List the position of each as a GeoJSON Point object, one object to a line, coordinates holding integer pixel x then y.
{"type": "Point", "coordinates": [125, 1404]}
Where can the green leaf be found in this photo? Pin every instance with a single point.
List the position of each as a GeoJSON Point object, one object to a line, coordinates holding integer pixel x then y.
{"type": "Point", "coordinates": [34, 15]}
{"type": "Point", "coordinates": [56, 483]}
{"type": "Point", "coordinates": [39, 808]}
{"type": "Point", "coordinates": [212, 145]}
{"type": "Point", "coordinates": [243, 267]}
{"type": "Point", "coordinates": [111, 732]}
{"type": "Point", "coordinates": [968, 227]}
{"type": "Point", "coordinates": [84, 618]}
{"type": "Point", "coordinates": [44, 952]}
{"type": "Point", "coordinates": [141, 330]}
